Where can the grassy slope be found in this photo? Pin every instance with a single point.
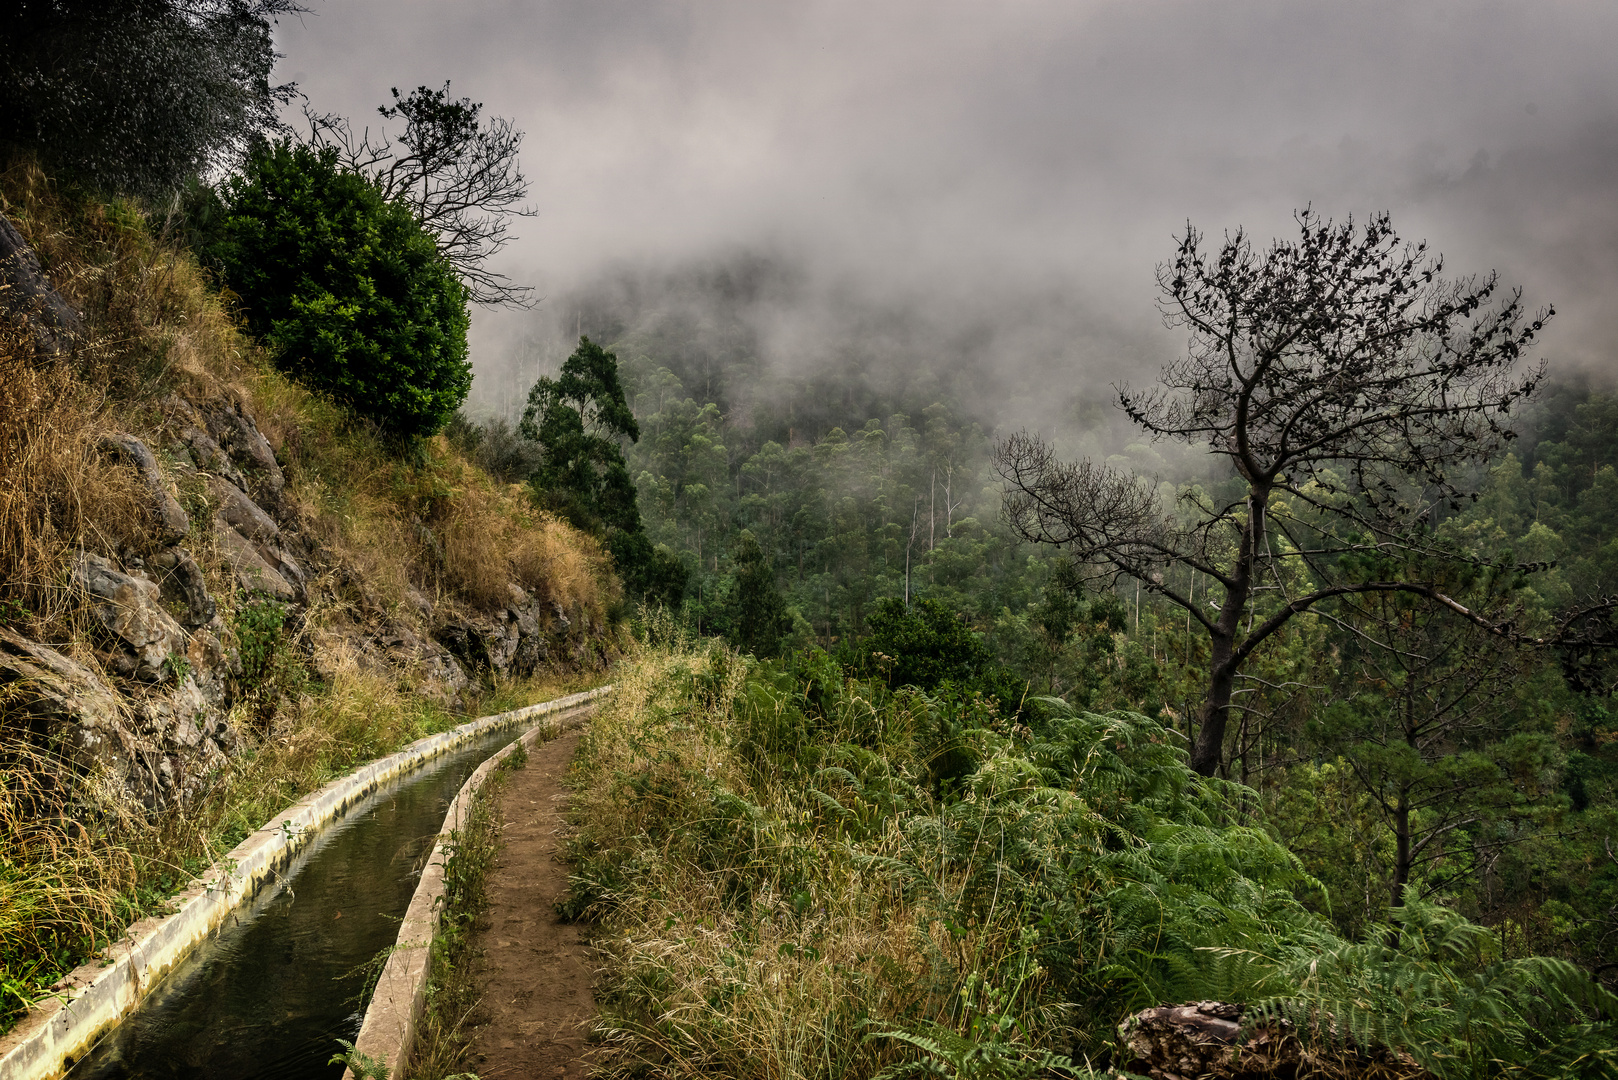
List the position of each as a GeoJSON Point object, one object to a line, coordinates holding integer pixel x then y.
{"type": "Point", "coordinates": [434, 524]}
{"type": "Point", "coordinates": [785, 886]}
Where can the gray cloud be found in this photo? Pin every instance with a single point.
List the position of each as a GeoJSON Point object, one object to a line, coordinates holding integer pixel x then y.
{"type": "Point", "coordinates": [1008, 174]}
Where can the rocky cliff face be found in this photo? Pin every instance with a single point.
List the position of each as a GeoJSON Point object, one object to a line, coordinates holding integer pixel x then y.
{"type": "Point", "coordinates": [145, 693]}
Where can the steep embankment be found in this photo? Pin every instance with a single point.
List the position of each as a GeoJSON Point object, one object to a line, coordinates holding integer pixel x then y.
{"type": "Point", "coordinates": [215, 592]}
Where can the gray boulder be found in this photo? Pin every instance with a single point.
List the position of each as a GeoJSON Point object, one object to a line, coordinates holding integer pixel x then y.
{"type": "Point", "coordinates": [51, 693]}
{"type": "Point", "coordinates": [242, 513]}
{"type": "Point", "coordinates": [195, 444]}
{"type": "Point", "coordinates": [244, 517]}
{"type": "Point", "coordinates": [170, 518]}
{"type": "Point", "coordinates": [158, 744]}
{"type": "Point", "coordinates": [143, 637]}
{"type": "Point", "coordinates": [252, 571]}
{"type": "Point", "coordinates": [431, 669]}
{"type": "Point", "coordinates": [182, 580]}
{"type": "Point", "coordinates": [234, 430]}
{"type": "Point", "coordinates": [510, 643]}
{"type": "Point", "coordinates": [75, 723]}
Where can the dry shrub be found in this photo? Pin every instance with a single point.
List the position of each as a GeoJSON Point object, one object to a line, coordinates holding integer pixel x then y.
{"type": "Point", "coordinates": [563, 565]}
{"type": "Point", "coordinates": [491, 535]}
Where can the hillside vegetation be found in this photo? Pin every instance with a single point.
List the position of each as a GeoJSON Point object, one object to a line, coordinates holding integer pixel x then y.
{"type": "Point", "coordinates": [798, 873]}
{"type": "Point", "coordinates": [235, 693]}
{"type": "Point", "coordinates": [840, 494]}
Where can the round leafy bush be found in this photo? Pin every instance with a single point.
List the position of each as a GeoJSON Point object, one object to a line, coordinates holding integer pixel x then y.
{"type": "Point", "coordinates": [346, 287]}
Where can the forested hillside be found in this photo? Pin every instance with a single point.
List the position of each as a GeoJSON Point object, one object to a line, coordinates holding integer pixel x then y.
{"type": "Point", "coordinates": [1444, 763]}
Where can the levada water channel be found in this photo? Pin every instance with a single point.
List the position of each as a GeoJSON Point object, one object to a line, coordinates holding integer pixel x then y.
{"type": "Point", "coordinates": [274, 991]}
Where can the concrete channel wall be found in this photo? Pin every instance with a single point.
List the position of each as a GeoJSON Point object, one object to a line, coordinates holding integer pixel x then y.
{"type": "Point", "coordinates": [102, 992]}
{"type": "Point", "coordinates": [388, 1032]}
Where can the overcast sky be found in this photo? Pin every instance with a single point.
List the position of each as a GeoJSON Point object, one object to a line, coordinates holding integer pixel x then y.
{"type": "Point", "coordinates": [1029, 157]}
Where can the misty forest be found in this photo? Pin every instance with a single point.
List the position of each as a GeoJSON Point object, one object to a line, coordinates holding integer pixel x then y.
{"type": "Point", "coordinates": [894, 681]}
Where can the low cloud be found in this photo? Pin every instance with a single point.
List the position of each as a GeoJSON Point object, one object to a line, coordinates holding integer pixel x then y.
{"type": "Point", "coordinates": [998, 181]}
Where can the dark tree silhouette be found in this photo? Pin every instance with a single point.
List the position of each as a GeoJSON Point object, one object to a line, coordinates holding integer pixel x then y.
{"type": "Point", "coordinates": [139, 96]}
{"type": "Point", "coordinates": [457, 170]}
{"type": "Point", "coordinates": [578, 419]}
{"type": "Point", "coordinates": [1345, 381]}
{"type": "Point", "coordinates": [760, 617]}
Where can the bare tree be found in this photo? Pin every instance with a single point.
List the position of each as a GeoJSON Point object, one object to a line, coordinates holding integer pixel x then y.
{"type": "Point", "coordinates": [457, 171]}
{"type": "Point", "coordinates": [1345, 381]}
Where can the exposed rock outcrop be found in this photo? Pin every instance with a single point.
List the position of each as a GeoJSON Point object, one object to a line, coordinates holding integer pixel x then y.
{"type": "Point", "coordinates": [252, 571]}
{"type": "Point", "coordinates": [236, 433]}
{"type": "Point", "coordinates": [221, 438]}
{"type": "Point", "coordinates": [172, 523]}
{"type": "Point", "coordinates": [182, 581]}
{"type": "Point", "coordinates": [396, 651]}
{"type": "Point", "coordinates": [58, 698]}
{"type": "Point", "coordinates": [159, 747]}
{"type": "Point", "coordinates": [195, 446]}
{"type": "Point", "coordinates": [142, 639]}
{"type": "Point", "coordinates": [171, 603]}
{"type": "Point", "coordinates": [510, 643]}
{"type": "Point", "coordinates": [25, 293]}
{"type": "Point", "coordinates": [434, 671]}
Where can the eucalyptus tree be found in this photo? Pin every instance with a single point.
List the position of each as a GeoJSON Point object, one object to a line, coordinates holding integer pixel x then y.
{"type": "Point", "coordinates": [1348, 384]}
{"type": "Point", "coordinates": [579, 419]}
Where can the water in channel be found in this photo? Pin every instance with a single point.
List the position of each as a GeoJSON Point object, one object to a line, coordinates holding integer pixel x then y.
{"type": "Point", "coordinates": [272, 994]}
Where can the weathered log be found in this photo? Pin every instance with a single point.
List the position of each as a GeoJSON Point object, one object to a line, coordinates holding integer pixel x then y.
{"type": "Point", "coordinates": [1208, 1039]}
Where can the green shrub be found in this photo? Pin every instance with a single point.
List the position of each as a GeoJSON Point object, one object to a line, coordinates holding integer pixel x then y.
{"type": "Point", "coordinates": [927, 645]}
{"type": "Point", "coordinates": [347, 288]}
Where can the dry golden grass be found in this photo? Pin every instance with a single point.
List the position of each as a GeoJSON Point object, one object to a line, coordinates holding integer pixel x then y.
{"type": "Point", "coordinates": [59, 881]}
{"type": "Point", "coordinates": [561, 564]}
{"type": "Point", "coordinates": [492, 535]}
{"type": "Point", "coordinates": [150, 327]}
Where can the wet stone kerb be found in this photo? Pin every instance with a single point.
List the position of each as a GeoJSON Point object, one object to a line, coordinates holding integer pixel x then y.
{"type": "Point", "coordinates": [101, 993]}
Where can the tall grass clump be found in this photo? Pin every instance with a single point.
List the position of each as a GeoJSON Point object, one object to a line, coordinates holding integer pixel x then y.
{"type": "Point", "coordinates": [797, 874]}
{"type": "Point", "coordinates": [57, 494]}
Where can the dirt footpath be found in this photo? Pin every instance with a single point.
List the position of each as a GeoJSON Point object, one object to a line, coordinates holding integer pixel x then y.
{"type": "Point", "coordinates": [535, 969]}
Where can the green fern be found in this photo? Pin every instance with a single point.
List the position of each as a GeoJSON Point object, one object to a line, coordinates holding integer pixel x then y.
{"type": "Point", "coordinates": [362, 1065]}
{"type": "Point", "coordinates": [991, 1048]}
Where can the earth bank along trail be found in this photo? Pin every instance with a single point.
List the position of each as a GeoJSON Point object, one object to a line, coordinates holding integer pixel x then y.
{"type": "Point", "coordinates": [535, 969]}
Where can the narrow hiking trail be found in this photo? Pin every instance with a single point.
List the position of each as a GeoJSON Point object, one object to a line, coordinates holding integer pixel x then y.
{"type": "Point", "coordinates": [534, 968]}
